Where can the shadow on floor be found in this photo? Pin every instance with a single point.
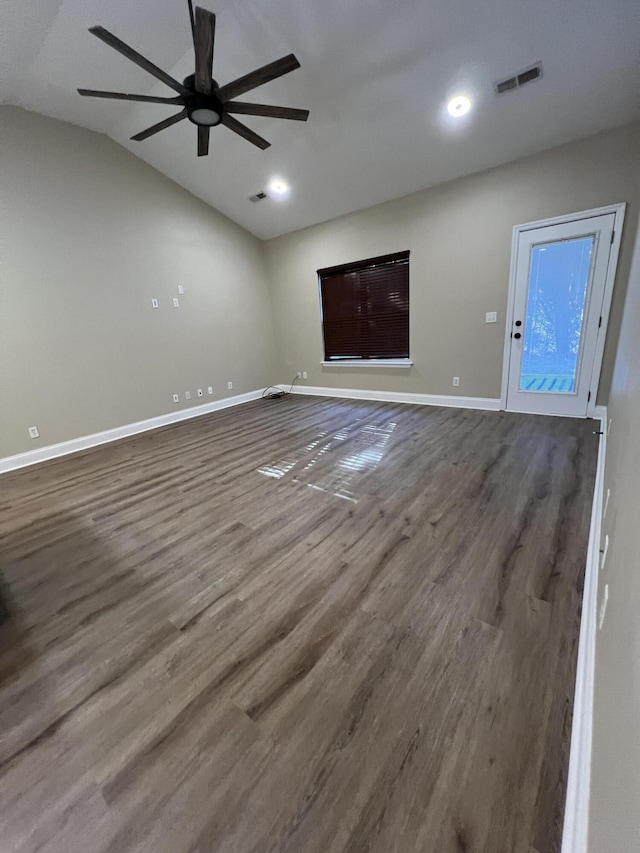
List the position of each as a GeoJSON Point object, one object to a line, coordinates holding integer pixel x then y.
{"type": "Point", "coordinates": [14, 652]}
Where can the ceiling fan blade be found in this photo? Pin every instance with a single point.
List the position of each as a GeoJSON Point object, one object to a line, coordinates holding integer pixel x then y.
{"type": "Point", "coordinates": [121, 96]}
{"type": "Point", "coordinates": [203, 44]}
{"type": "Point", "coordinates": [203, 141]}
{"type": "Point", "coordinates": [258, 77]}
{"type": "Point", "coordinates": [242, 108]}
{"type": "Point", "coordinates": [192, 21]}
{"type": "Point", "coordinates": [244, 131]}
{"type": "Point", "coordinates": [134, 56]}
{"type": "Point", "coordinates": [156, 128]}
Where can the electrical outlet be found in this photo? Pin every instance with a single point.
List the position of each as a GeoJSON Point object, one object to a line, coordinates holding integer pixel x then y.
{"type": "Point", "coordinates": [154, 303]}
{"type": "Point", "coordinates": [603, 606]}
{"type": "Point", "coordinates": [299, 375]}
{"type": "Point", "coordinates": [33, 432]}
{"type": "Point", "coordinates": [304, 374]}
{"type": "Point", "coordinates": [200, 392]}
{"type": "Point", "coordinates": [491, 317]}
{"type": "Point", "coordinates": [180, 289]}
{"type": "Point", "coordinates": [230, 386]}
{"type": "Point", "coordinates": [210, 389]}
{"type": "Point", "coordinates": [456, 381]}
{"type": "Point", "coordinates": [187, 395]}
{"type": "Point", "coordinates": [604, 552]}
{"type": "Point", "coordinates": [176, 302]}
{"type": "Point", "coordinates": [176, 398]}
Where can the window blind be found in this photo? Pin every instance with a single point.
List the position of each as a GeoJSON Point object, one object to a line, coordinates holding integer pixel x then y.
{"type": "Point", "coordinates": [365, 308]}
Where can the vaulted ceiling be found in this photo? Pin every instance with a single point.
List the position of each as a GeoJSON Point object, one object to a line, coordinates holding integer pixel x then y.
{"type": "Point", "coordinates": [375, 74]}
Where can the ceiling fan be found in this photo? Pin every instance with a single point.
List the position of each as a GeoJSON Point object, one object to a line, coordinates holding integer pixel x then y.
{"type": "Point", "coordinates": [204, 102]}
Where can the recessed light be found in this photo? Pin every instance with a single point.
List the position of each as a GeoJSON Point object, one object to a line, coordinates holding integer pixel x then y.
{"type": "Point", "coordinates": [278, 189]}
{"type": "Point", "coordinates": [458, 106]}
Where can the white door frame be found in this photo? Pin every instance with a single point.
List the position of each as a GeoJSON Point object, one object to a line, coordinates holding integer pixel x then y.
{"type": "Point", "coordinates": [619, 211]}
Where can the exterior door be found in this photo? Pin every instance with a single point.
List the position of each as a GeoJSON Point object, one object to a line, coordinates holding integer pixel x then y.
{"type": "Point", "coordinates": [560, 279]}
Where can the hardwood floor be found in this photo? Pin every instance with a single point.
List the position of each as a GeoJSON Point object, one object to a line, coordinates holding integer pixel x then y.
{"type": "Point", "coordinates": [303, 625]}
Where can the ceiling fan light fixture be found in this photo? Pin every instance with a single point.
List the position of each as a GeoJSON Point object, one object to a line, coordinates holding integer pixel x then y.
{"type": "Point", "coordinates": [458, 106]}
{"type": "Point", "coordinates": [204, 116]}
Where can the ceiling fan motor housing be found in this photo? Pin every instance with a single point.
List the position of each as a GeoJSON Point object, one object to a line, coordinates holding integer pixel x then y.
{"type": "Point", "coordinates": [202, 110]}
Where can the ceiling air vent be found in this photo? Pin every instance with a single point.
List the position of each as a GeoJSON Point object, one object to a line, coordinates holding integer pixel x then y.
{"type": "Point", "coordinates": [257, 197]}
{"type": "Point", "coordinates": [519, 79]}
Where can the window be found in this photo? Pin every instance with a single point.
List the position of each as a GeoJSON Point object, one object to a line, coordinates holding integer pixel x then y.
{"type": "Point", "coordinates": [365, 309]}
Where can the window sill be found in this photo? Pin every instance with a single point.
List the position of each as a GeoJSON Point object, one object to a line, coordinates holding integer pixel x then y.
{"type": "Point", "coordinates": [369, 362]}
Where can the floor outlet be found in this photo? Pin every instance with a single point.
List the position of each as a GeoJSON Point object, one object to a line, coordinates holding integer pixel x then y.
{"type": "Point", "coordinates": [33, 432]}
{"type": "Point", "coordinates": [187, 395]}
{"type": "Point", "coordinates": [176, 398]}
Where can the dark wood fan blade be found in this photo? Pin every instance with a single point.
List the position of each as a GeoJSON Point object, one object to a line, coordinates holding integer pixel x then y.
{"type": "Point", "coordinates": [203, 45]}
{"type": "Point", "coordinates": [192, 21]}
{"type": "Point", "coordinates": [203, 141]}
{"type": "Point", "coordinates": [258, 77]}
{"type": "Point", "coordinates": [156, 128]}
{"type": "Point", "coordinates": [134, 56]}
{"type": "Point", "coordinates": [121, 96]}
{"type": "Point", "coordinates": [242, 108]}
{"type": "Point", "coordinates": [244, 131]}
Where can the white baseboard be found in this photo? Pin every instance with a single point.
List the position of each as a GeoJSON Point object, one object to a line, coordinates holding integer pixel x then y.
{"type": "Point", "coordinates": [576, 815]}
{"type": "Point", "coordinates": [488, 403]}
{"type": "Point", "coordinates": [52, 451]}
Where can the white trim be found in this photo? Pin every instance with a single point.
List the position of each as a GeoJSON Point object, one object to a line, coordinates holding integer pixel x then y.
{"type": "Point", "coordinates": [490, 404]}
{"type": "Point", "coordinates": [369, 362]}
{"type": "Point", "coordinates": [576, 813]}
{"type": "Point", "coordinates": [52, 451]}
{"type": "Point", "coordinates": [614, 252]}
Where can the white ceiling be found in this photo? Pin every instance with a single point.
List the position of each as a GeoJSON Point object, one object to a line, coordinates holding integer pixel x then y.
{"type": "Point", "coordinates": [375, 75]}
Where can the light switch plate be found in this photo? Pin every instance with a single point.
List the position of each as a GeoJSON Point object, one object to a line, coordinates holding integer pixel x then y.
{"type": "Point", "coordinates": [154, 303]}
{"type": "Point", "coordinates": [491, 317]}
{"type": "Point", "coordinates": [176, 302]}
{"type": "Point", "coordinates": [180, 289]}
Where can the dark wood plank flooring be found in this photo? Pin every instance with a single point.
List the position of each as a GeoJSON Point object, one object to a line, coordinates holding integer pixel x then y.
{"type": "Point", "coordinates": [305, 626]}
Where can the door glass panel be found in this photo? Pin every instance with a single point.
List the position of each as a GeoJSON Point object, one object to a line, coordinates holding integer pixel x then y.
{"type": "Point", "coordinates": [558, 279]}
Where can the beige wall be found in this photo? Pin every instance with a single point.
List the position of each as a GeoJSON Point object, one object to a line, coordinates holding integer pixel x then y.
{"type": "Point", "coordinates": [459, 235]}
{"type": "Point", "coordinates": [615, 797]}
{"type": "Point", "coordinates": [88, 235]}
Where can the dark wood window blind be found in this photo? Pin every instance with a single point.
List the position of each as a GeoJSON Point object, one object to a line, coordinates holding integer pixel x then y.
{"type": "Point", "coordinates": [365, 308]}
